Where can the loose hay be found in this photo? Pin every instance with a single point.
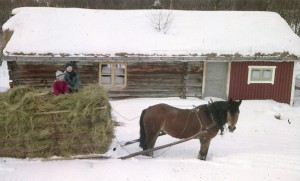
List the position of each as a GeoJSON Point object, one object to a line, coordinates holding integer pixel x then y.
{"type": "Point", "coordinates": [35, 124]}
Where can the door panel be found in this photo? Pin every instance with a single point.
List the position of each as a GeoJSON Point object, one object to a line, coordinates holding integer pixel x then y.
{"type": "Point", "coordinates": [216, 80]}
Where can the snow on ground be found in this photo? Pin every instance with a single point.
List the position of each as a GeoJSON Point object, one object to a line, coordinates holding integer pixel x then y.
{"type": "Point", "coordinates": [262, 148]}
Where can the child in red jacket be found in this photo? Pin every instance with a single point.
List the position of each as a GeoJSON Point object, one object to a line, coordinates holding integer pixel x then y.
{"type": "Point", "coordinates": [60, 86]}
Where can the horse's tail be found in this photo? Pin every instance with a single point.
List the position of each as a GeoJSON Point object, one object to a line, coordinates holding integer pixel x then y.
{"type": "Point", "coordinates": [142, 131]}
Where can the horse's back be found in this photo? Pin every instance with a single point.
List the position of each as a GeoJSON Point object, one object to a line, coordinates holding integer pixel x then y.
{"type": "Point", "coordinates": [161, 112]}
{"type": "Point", "coordinates": [166, 110]}
{"type": "Point", "coordinates": [167, 107]}
{"type": "Point", "coordinates": [179, 123]}
{"type": "Point", "coordinates": [162, 106]}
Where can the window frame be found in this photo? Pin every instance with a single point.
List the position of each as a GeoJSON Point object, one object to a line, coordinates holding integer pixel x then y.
{"type": "Point", "coordinates": [113, 74]}
{"type": "Point", "coordinates": [261, 80]}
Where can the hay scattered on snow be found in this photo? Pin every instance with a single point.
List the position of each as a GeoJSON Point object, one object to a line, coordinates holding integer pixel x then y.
{"type": "Point", "coordinates": [35, 124]}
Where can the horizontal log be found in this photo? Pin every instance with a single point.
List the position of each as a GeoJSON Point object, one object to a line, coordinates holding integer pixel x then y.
{"type": "Point", "coordinates": [154, 86]}
{"type": "Point", "coordinates": [158, 68]}
{"type": "Point", "coordinates": [36, 82]}
{"type": "Point", "coordinates": [157, 83]}
{"type": "Point", "coordinates": [152, 78]}
{"type": "Point", "coordinates": [198, 95]}
{"type": "Point", "coordinates": [138, 94]}
{"type": "Point", "coordinates": [145, 91]}
{"type": "Point", "coordinates": [194, 84]}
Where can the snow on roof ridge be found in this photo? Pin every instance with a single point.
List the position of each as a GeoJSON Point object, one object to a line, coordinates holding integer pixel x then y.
{"type": "Point", "coordinates": [75, 31]}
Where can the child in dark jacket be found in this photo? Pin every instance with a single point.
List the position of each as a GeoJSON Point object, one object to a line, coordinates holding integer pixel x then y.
{"type": "Point", "coordinates": [60, 86]}
{"type": "Point", "coordinates": [71, 78]}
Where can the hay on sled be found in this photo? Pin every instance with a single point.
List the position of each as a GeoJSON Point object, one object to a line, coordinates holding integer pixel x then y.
{"type": "Point", "coordinates": [38, 124]}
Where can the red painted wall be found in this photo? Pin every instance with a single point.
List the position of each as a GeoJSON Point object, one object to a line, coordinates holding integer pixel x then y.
{"type": "Point", "coordinates": [280, 91]}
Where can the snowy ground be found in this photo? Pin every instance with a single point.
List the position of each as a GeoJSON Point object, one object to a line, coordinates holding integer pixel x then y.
{"type": "Point", "coordinates": [262, 148]}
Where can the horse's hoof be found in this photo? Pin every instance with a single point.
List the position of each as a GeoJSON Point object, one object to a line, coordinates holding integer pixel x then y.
{"type": "Point", "coordinates": [201, 157]}
{"type": "Point", "coordinates": [148, 154]}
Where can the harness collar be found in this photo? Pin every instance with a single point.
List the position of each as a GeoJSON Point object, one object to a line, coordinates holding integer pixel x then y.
{"type": "Point", "coordinates": [214, 123]}
{"type": "Point", "coordinates": [211, 125]}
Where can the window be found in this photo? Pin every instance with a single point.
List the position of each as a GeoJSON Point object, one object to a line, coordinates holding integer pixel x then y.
{"type": "Point", "coordinates": [113, 74]}
{"type": "Point", "coordinates": [261, 74]}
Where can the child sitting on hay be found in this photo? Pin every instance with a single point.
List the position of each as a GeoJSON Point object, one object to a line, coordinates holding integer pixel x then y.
{"type": "Point", "coordinates": [71, 78]}
{"type": "Point", "coordinates": [60, 86]}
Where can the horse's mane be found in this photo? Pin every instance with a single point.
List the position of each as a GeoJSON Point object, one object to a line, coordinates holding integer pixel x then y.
{"type": "Point", "coordinates": [219, 113]}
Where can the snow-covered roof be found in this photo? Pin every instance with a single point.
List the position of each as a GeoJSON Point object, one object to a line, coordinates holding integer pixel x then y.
{"type": "Point", "coordinates": [84, 32]}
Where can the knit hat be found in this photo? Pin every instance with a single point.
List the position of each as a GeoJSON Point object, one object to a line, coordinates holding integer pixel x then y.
{"type": "Point", "coordinates": [59, 73]}
{"type": "Point", "coordinates": [68, 64]}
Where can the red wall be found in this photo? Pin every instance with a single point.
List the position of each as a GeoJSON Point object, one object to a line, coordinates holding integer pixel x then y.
{"type": "Point", "coordinates": [280, 91]}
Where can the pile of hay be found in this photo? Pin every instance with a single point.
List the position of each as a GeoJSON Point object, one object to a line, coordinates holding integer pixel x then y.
{"type": "Point", "coordinates": [35, 124]}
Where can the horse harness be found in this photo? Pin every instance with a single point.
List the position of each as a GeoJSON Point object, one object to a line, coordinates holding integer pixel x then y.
{"type": "Point", "coordinates": [213, 124]}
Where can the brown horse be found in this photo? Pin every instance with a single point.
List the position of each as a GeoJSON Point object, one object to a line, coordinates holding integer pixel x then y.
{"type": "Point", "coordinates": [184, 123]}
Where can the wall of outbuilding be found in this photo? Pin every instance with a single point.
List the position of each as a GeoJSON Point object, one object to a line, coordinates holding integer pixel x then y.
{"type": "Point", "coordinates": [280, 91]}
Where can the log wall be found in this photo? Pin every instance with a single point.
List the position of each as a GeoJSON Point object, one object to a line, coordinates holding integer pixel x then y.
{"type": "Point", "coordinates": [162, 79]}
{"type": "Point", "coordinates": [33, 73]}
{"type": "Point", "coordinates": [144, 79]}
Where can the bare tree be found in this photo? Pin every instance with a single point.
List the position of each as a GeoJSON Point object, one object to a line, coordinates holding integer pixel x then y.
{"type": "Point", "coordinates": [162, 20]}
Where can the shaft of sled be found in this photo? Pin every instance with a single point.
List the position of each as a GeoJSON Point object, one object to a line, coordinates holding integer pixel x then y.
{"type": "Point", "coordinates": [137, 140]}
{"type": "Point", "coordinates": [163, 146]}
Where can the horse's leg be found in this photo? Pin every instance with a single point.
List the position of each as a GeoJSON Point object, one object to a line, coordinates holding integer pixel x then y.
{"type": "Point", "coordinates": [152, 141]}
{"type": "Point", "coordinates": [203, 148]}
{"type": "Point", "coordinates": [151, 137]}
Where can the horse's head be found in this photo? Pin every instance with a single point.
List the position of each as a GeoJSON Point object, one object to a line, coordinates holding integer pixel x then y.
{"type": "Point", "coordinates": [233, 112]}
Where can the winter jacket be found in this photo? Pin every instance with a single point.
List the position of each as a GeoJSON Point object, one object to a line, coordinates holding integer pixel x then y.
{"type": "Point", "coordinates": [72, 80]}
{"type": "Point", "coordinates": [60, 87]}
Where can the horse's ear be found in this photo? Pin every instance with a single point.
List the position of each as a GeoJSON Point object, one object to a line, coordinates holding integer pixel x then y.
{"type": "Point", "coordinates": [240, 102]}
{"type": "Point", "coordinates": [229, 103]}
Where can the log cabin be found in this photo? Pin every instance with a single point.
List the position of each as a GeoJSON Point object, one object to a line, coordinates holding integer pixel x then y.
{"type": "Point", "coordinates": [156, 53]}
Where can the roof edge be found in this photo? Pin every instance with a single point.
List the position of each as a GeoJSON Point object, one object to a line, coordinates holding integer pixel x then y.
{"type": "Point", "coordinates": [146, 59]}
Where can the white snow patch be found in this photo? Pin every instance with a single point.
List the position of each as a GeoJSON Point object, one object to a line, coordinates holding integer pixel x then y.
{"type": "Point", "coordinates": [262, 148]}
{"type": "Point", "coordinates": [83, 32]}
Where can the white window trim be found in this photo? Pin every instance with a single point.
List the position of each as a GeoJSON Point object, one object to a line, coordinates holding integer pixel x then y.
{"type": "Point", "coordinates": [261, 81]}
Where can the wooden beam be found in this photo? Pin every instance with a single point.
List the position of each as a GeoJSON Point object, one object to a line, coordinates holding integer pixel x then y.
{"type": "Point", "coordinates": [163, 146]}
